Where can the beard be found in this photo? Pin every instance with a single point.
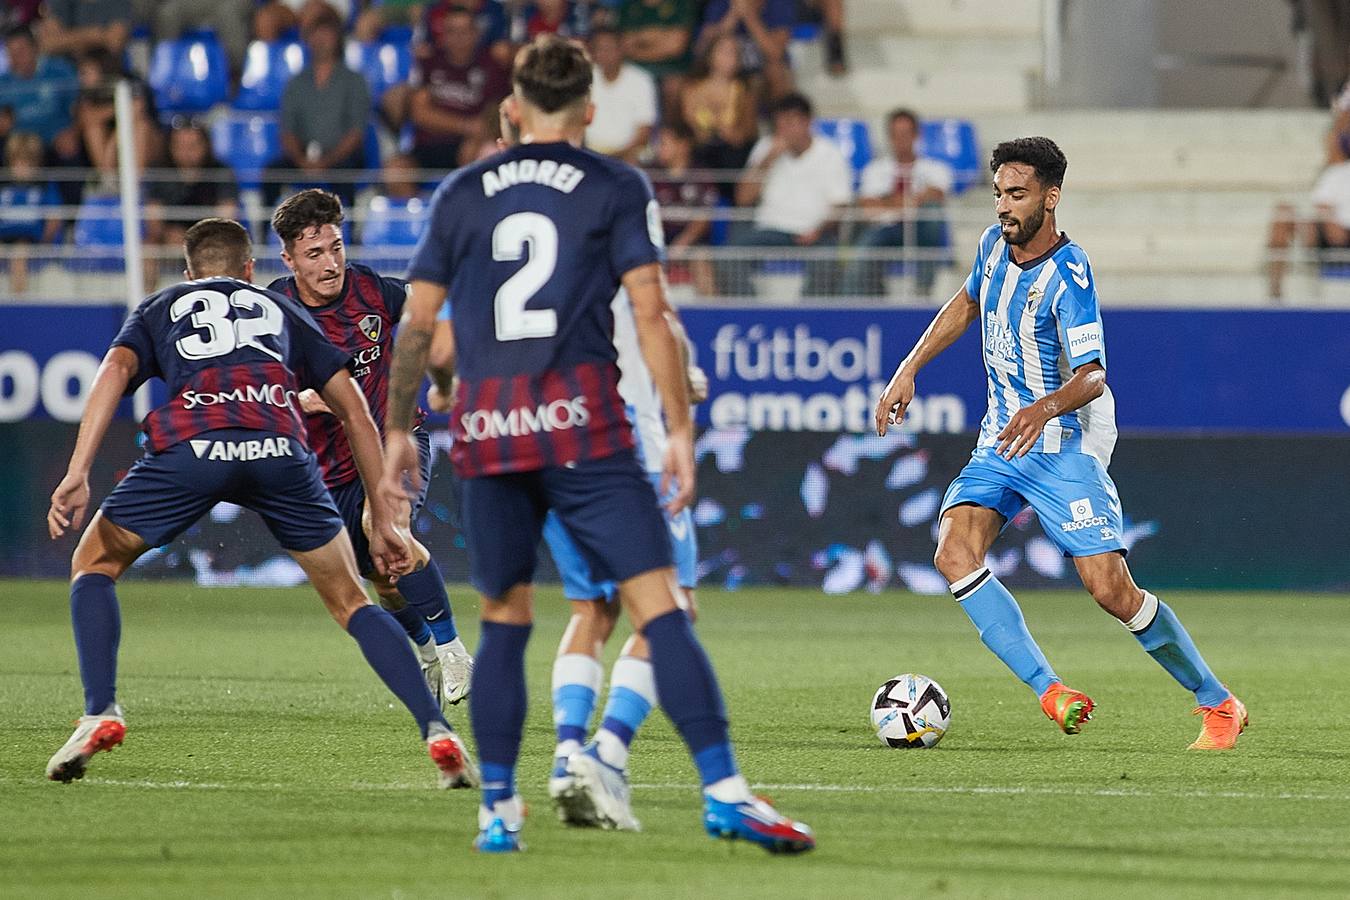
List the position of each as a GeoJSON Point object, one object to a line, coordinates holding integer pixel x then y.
{"type": "Point", "coordinates": [1026, 229]}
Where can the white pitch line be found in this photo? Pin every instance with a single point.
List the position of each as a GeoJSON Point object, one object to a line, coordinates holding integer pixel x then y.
{"type": "Point", "coordinates": [970, 790]}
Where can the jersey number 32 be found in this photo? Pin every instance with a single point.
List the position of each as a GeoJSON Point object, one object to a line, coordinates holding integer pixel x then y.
{"type": "Point", "coordinates": [211, 310]}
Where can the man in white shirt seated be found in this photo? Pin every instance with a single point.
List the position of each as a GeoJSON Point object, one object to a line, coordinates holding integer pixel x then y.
{"type": "Point", "coordinates": [625, 101]}
{"type": "Point", "coordinates": [903, 197]}
{"type": "Point", "coordinates": [798, 183]}
{"type": "Point", "coordinates": [1327, 232]}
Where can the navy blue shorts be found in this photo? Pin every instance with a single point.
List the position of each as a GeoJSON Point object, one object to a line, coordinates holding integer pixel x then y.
{"type": "Point", "coordinates": [607, 505]}
{"type": "Point", "coordinates": [351, 498]}
{"type": "Point", "coordinates": [276, 477]}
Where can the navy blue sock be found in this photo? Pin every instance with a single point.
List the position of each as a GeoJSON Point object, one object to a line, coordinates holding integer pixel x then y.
{"type": "Point", "coordinates": [413, 623]}
{"type": "Point", "coordinates": [1161, 633]}
{"type": "Point", "coordinates": [688, 691]}
{"type": "Point", "coordinates": [998, 617]}
{"type": "Point", "coordinates": [387, 651]}
{"type": "Point", "coordinates": [98, 629]}
{"type": "Point", "coordinates": [497, 705]}
{"type": "Point", "coordinates": [425, 592]}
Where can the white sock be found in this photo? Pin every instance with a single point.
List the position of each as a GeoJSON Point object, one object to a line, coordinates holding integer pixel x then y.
{"type": "Point", "coordinates": [730, 790]}
{"type": "Point", "coordinates": [456, 646]}
{"type": "Point", "coordinates": [613, 751]}
{"type": "Point", "coordinates": [427, 652]}
{"type": "Point", "coordinates": [566, 749]}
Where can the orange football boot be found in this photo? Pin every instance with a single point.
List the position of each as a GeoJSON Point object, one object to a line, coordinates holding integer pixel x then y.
{"type": "Point", "coordinates": [1220, 725]}
{"type": "Point", "coordinates": [1068, 708]}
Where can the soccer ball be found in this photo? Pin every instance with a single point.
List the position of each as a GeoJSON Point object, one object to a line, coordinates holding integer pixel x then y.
{"type": "Point", "coordinates": [911, 711]}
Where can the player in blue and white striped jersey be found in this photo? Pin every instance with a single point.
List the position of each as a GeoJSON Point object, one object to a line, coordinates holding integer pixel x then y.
{"type": "Point", "coordinates": [1045, 441]}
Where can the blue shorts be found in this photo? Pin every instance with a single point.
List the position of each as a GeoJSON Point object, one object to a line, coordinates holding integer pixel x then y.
{"type": "Point", "coordinates": [276, 477]}
{"type": "Point", "coordinates": [1071, 493]}
{"type": "Point", "coordinates": [576, 574]}
{"type": "Point", "coordinates": [607, 505]}
{"type": "Point", "coordinates": [351, 499]}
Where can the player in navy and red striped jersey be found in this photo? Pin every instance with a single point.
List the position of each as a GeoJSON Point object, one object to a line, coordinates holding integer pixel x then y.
{"type": "Point", "coordinates": [234, 357]}
{"type": "Point", "coordinates": [531, 245]}
{"type": "Point", "coordinates": [357, 308]}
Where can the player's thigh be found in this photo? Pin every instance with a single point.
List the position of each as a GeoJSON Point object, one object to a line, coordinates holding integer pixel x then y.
{"type": "Point", "coordinates": [613, 514]}
{"type": "Point", "coordinates": [1076, 502]}
{"type": "Point", "coordinates": [503, 519]}
{"type": "Point", "coordinates": [331, 569]}
{"type": "Point", "coordinates": [288, 493]}
{"type": "Point", "coordinates": [165, 492]}
{"type": "Point", "coordinates": [105, 549]}
{"type": "Point", "coordinates": [978, 505]}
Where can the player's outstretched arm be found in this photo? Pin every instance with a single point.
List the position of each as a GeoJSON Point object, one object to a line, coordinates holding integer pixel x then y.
{"type": "Point", "coordinates": [70, 500]}
{"type": "Point", "coordinates": [344, 397]}
{"type": "Point", "coordinates": [948, 325]}
{"type": "Point", "coordinates": [1020, 434]}
{"type": "Point", "coordinates": [657, 329]}
{"type": "Point", "coordinates": [407, 370]}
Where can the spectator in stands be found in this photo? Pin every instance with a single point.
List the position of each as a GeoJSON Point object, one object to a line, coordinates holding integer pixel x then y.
{"type": "Point", "coordinates": [625, 101]}
{"type": "Point", "coordinates": [831, 16]}
{"type": "Point", "coordinates": [561, 17]}
{"type": "Point", "coordinates": [1328, 22]}
{"type": "Point", "coordinates": [718, 106]}
{"type": "Point", "coordinates": [798, 184]}
{"type": "Point", "coordinates": [903, 196]}
{"type": "Point", "coordinates": [382, 14]}
{"type": "Point", "coordinates": [1328, 230]}
{"type": "Point", "coordinates": [762, 29]}
{"type": "Point", "coordinates": [659, 36]}
{"type": "Point", "coordinates": [7, 123]}
{"type": "Point", "coordinates": [687, 204]}
{"type": "Point", "coordinates": [19, 12]}
{"type": "Point", "coordinates": [97, 72]}
{"type": "Point", "coordinates": [229, 19]}
{"type": "Point", "coordinates": [274, 18]}
{"type": "Point", "coordinates": [195, 178]}
{"type": "Point", "coordinates": [453, 91]}
{"type": "Point", "coordinates": [494, 27]}
{"type": "Point", "coordinates": [324, 111]}
{"type": "Point", "coordinates": [73, 27]}
{"type": "Point", "coordinates": [39, 88]}
{"type": "Point", "coordinates": [27, 214]}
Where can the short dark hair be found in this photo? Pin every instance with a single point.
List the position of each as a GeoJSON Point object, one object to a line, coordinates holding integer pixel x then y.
{"type": "Point", "coordinates": [310, 208]}
{"type": "Point", "coordinates": [552, 72]}
{"type": "Point", "coordinates": [902, 113]}
{"type": "Point", "coordinates": [217, 246]}
{"type": "Point", "coordinates": [795, 103]}
{"type": "Point", "coordinates": [1041, 153]}
{"type": "Point", "coordinates": [21, 31]}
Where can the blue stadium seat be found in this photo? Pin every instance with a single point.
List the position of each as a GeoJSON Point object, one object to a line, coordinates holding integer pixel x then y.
{"type": "Point", "coordinates": [394, 223]}
{"type": "Point", "coordinates": [267, 68]}
{"type": "Point", "coordinates": [98, 235]}
{"type": "Point", "coordinates": [382, 63]}
{"type": "Point", "coordinates": [4, 60]}
{"type": "Point", "coordinates": [853, 139]}
{"type": "Point", "coordinates": [954, 142]}
{"type": "Point", "coordinates": [247, 143]}
{"type": "Point", "coordinates": [189, 75]}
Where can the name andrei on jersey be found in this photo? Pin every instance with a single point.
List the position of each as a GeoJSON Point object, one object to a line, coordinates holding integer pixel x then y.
{"type": "Point", "coordinates": [268, 394]}
{"type": "Point", "coordinates": [560, 415]}
{"type": "Point", "coordinates": [563, 177]}
{"type": "Point", "coordinates": [228, 451]}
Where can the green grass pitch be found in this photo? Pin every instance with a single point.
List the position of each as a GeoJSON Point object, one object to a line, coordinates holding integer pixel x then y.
{"type": "Point", "coordinates": [264, 758]}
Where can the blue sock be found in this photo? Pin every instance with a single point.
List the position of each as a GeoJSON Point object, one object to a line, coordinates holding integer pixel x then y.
{"type": "Point", "coordinates": [632, 694]}
{"type": "Point", "coordinates": [687, 688]}
{"type": "Point", "coordinates": [98, 629]}
{"type": "Point", "coordinates": [413, 623]}
{"type": "Point", "coordinates": [382, 642]}
{"type": "Point", "coordinates": [425, 592]}
{"type": "Point", "coordinates": [497, 705]}
{"type": "Point", "coordinates": [576, 682]}
{"type": "Point", "coordinates": [998, 617]}
{"type": "Point", "coordinates": [1157, 628]}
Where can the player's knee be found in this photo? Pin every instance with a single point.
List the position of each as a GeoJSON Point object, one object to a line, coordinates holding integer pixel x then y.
{"type": "Point", "coordinates": [1116, 594]}
{"type": "Point", "coordinates": [343, 607]}
{"type": "Point", "coordinates": [955, 561]}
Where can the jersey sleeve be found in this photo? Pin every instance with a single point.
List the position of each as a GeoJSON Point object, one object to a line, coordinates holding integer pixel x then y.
{"type": "Point", "coordinates": [1078, 313]}
{"type": "Point", "coordinates": [138, 337]}
{"type": "Point", "coordinates": [431, 259]}
{"type": "Point", "coordinates": [395, 294]}
{"type": "Point", "coordinates": [315, 358]}
{"type": "Point", "coordinates": [637, 237]}
{"type": "Point", "coordinates": [975, 280]}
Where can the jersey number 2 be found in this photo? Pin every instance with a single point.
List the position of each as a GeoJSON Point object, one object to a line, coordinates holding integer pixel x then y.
{"type": "Point", "coordinates": [535, 237]}
{"type": "Point", "coordinates": [211, 310]}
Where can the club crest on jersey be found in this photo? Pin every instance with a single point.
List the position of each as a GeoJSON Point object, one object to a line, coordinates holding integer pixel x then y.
{"type": "Point", "coordinates": [371, 326]}
{"type": "Point", "coordinates": [1034, 295]}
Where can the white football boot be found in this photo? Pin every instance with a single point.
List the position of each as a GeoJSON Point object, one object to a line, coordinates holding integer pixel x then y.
{"type": "Point", "coordinates": [92, 735]}
{"type": "Point", "coordinates": [456, 671]}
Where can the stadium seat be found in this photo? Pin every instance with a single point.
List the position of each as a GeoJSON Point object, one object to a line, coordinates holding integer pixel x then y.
{"type": "Point", "coordinates": [954, 142]}
{"type": "Point", "coordinates": [382, 63]}
{"type": "Point", "coordinates": [98, 235]}
{"type": "Point", "coordinates": [267, 68]}
{"type": "Point", "coordinates": [189, 75]}
{"type": "Point", "coordinates": [394, 223]}
{"type": "Point", "coordinates": [247, 143]}
{"type": "Point", "coordinates": [853, 139]}
{"type": "Point", "coordinates": [4, 60]}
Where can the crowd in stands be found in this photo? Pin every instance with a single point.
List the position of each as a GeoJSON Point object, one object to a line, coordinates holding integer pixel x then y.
{"type": "Point", "coordinates": [681, 87]}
